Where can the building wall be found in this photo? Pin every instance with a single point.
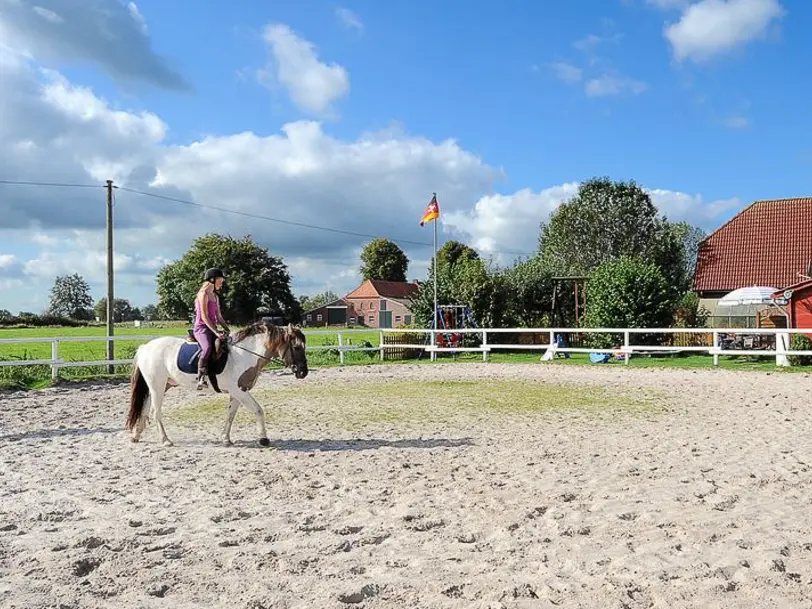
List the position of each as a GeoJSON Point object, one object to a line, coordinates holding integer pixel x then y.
{"type": "Point", "coordinates": [368, 309]}
{"type": "Point", "coordinates": [800, 309]}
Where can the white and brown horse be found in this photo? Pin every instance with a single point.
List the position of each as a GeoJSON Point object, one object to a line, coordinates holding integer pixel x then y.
{"type": "Point", "coordinates": [156, 369]}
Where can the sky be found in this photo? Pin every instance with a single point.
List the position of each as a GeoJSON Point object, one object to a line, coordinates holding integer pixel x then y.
{"type": "Point", "coordinates": [348, 115]}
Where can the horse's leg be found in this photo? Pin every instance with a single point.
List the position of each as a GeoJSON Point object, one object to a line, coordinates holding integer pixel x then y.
{"type": "Point", "coordinates": [157, 388]}
{"type": "Point", "coordinates": [247, 400]}
{"type": "Point", "coordinates": [233, 406]}
{"type": "Point", "coordinates": [143, 420]}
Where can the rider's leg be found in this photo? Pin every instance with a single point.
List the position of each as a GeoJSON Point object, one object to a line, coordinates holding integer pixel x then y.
{"type": "Point", "coordinates": [205, 339]}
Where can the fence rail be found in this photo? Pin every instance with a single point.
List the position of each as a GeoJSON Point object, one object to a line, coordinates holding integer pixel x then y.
{"type": "Point", "coordinates": [432, 343]}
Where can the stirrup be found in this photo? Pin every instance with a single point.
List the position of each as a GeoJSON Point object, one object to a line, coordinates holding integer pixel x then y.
{"type": "Point", "coordinates": [202, 381]}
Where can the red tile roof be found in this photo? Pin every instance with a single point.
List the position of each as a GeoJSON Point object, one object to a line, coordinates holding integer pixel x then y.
{"type": "Point", "coordinates": [769, 243]}
{"type": "Point", "coordinates": [374, 288]}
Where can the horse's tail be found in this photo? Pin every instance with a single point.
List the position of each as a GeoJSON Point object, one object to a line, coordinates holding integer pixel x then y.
{"type": "Point", "coordinates": [139, 392]}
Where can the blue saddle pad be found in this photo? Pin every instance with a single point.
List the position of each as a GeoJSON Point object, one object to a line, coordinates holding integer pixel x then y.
{"type": "Point", "coordinates": [187, 357]}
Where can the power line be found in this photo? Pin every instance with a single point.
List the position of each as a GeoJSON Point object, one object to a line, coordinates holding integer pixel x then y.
{"type": "Point", "coordinates": [235, 212]}
{"type": "Point", "coordinates": [289, 222]}
{"type": "Point", "coordinates": [53, 184]}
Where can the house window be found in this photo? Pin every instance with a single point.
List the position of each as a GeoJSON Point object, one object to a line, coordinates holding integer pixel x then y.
{"type": "Point", "coordinates": [309, 317]}
{"type": "Point", "coordinates": [352, 321]}
{"type": "Point", "coordinates": [371, 306]}
{"type": "Point", "coordinates": [318, 317]}
{"type": "Point", "coordinates": [372, 319]}
{"type": "Point", "coordinates": [397, 317]}
{"type": "Point", "coordinates": [408, 319]}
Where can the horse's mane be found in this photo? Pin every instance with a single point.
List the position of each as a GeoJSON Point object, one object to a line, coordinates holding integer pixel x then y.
{"type": "Point", "coordinates": [260, 327]}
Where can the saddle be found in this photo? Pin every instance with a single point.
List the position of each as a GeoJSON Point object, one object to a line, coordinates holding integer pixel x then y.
{"type": "Point", "coordinates": [217, 360]}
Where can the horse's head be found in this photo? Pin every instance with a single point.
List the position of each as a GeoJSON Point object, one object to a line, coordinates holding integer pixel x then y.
{"type": "Point", "coordinates": [289, 344]}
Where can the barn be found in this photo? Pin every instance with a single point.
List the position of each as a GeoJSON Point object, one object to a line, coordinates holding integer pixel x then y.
{"type": "Point", "coordinates": [768, 244]}
{"type": "Point", "coordinates": [333, 313]}
{"type": "Point", "coordinates": [799, 304]}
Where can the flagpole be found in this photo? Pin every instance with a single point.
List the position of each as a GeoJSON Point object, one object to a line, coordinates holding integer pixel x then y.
{"type": "Point", "coordinates": [434, 336]}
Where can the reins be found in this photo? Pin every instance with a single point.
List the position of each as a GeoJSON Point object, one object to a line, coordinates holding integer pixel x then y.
{"type": "Point", "coordinates": [265, 357]}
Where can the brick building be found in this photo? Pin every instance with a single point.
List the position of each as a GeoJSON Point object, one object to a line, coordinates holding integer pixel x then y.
{"type": "Point", "coordinates": [381, 304]}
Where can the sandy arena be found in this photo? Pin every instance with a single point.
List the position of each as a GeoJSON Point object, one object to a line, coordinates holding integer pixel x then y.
{"type": "Point", "coordinates": [703, 498]}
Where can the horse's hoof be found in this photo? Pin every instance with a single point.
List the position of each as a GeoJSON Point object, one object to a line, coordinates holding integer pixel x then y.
{"type": "Point", "coordinates": [168, 442]}
{"type": "Point", "coordinates": [228, 443]}
{"type": "Point", "coordinates": [264, 442]}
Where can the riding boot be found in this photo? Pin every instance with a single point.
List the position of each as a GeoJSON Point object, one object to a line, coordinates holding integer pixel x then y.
{"type": "Point", "coordinates": [202, 377]}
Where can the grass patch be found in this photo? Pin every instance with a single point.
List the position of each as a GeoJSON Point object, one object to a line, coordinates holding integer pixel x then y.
{"type": "Point", "coordinates": [354, 406]}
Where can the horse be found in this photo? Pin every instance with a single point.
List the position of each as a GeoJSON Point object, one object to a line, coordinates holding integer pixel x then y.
{"type": "Point", "coordinates": [234, 368]}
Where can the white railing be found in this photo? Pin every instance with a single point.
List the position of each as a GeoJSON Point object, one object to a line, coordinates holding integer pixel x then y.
{"type": "Point", "coordinates": [431, 345]}
{"type": "Point", "coordinates": [551, 347]}
{"type": "Point", "coordinates": [56, 362]}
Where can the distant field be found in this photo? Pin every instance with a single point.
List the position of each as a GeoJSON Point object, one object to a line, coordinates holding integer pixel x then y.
{"type": "Point", "coordinates": [124, 349]}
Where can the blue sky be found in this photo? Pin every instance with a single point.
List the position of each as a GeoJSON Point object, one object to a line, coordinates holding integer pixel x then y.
{"type": "Point", "coordinates": [697, 100]}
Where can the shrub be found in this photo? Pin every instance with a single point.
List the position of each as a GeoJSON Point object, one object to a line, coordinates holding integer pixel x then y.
{"type": "Point", "coordinates": [800, 342]}
{"type": "Point", "coordinates": [627, 292]}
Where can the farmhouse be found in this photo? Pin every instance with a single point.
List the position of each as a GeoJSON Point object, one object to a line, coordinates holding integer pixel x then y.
{"type": "Point", "coordinates": [374, 303]}
{"type": "Point", "coordinates": [382, 304]}
{"type": "Point", "coordinates": [767, 244]}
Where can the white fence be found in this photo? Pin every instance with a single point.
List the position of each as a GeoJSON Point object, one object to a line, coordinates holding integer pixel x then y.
{"type": "Point", "coordinates": [488, 342]}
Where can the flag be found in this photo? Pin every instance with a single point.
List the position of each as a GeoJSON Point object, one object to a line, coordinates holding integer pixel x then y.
{"type": "Point", "coordinates": [432, 211]}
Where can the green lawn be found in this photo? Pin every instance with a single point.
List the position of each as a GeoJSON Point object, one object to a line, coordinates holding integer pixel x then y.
{"type": "Point", "coordinates": [40, 375]}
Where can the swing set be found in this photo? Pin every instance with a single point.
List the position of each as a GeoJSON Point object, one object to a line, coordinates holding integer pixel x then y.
{"type": "Point", "coordinates": [452, 317]}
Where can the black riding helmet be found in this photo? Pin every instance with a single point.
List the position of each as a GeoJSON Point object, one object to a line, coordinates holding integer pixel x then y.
{"type": "Point", "coordinates": [212, 274]}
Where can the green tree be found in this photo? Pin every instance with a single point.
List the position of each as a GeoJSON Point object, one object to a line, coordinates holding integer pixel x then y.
{"type": "Point", "coordinates": [383, 259]}
{"type": "Point", "coordinates": [70, 297]}
{"type": "Point", "coordinates": [150, 312]}
{"type": "Point", "coordinates": [606, 220]}
{"type": "Point", "coordinates": [627, 292]}
{"type": "Point", "coordinates": [122, 310]}
{"type": "Point", "coordinates": [256, 280]}
{"type": "Point", "coordinates": [529, 284]}
{"type": "Point", "coordinates": [690, 236]}
{"type": "Point", "coordinates": [309, 303]}
{"type": "Point", "coordinates": [465, 280]}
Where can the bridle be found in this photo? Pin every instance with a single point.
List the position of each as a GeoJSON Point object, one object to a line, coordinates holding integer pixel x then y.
{"type": "Point", "coordinates": [265, 357]}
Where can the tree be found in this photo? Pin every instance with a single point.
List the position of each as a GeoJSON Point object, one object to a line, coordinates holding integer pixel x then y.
{"type": "Point", "coordinates": [150, 312]}
{"type": "Point", "coordinates": [255, 280]}
{"type": "Point", "coordinates": [606, 220]}
{"type": "Point", "coordinates": [529, 284]}
{"type": "Point", "coordinates": [463, 279]}
{"type": "Point", "coordinates": [384, 260]}
{"type": "Point", "coordinates": [122, 310]}
{"type": "Point", "coordinates": [70, 297]}
{"type": "Point", "coordinates": [690, 236]}
{"type": "Point", "coordinates": [308, 303]}
{"type": "Point", "coordinates": [627, 292]}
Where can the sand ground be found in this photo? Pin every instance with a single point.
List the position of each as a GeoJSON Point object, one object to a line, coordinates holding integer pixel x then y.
{"type": "Point", "coordinates": [703, 501]}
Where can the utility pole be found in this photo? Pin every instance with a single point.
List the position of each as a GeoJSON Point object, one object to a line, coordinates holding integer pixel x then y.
{"type": "Point", "coordinates": [110, 327]}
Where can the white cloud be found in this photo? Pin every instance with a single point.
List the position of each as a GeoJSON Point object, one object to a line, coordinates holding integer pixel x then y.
{"type": "Point", "coordinates": [377, 184]}
{"type": "Point", "coordinates": [511, 222]}
{"type": "Point", "coordinates": [111, 35]}
{"type": "Point", "coordinates": [349, 19]}
{"type": "Point", "coordinates": [608, 85]}
{"type": "Point", "coordinates": [711, 28]}
{"type": "Point", "coordinates": [567, 72]}
{"type": "Point", "coordinates": [311, 84]}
